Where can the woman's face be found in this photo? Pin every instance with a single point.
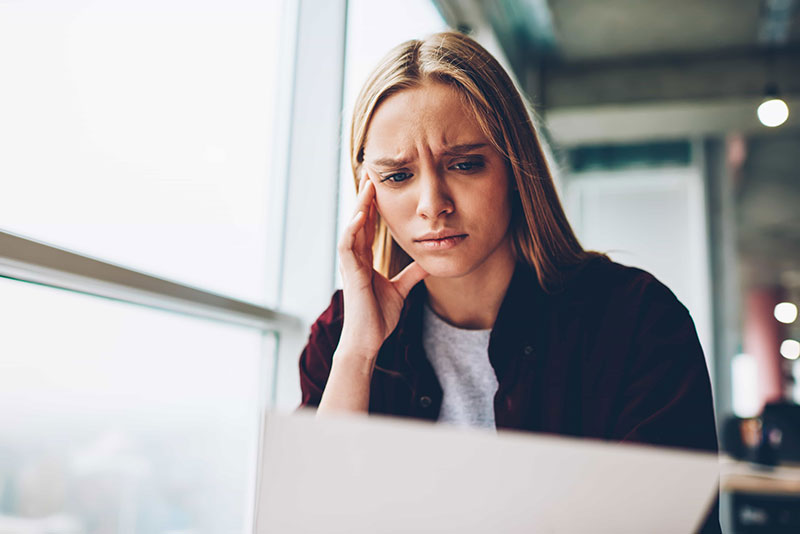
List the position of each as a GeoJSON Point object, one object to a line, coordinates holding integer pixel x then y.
{"type": "Point", "coordinates": [435, 171]}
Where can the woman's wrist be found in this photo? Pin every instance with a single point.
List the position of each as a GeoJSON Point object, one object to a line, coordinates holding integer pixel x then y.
{"type": "Point", "coordinates": [349, 381]}
{"type": "Point", "coordinates": [354, 345]}
{"type": "Point", "coordinates": [353, 352]}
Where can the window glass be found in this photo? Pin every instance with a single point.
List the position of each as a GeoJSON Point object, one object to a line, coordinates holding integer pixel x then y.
{"type": "Point", "coordinates": [120, 418]}
{"type": "Point", "coordinates": [140, 132]}
{"type": "Point", "coordinates": [373, 28]}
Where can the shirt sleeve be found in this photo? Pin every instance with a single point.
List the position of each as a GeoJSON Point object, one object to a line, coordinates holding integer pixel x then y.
{"type": "Point", "coordinates": [316, 358]}
{"type": "Point", "coordinates": [666, 396]}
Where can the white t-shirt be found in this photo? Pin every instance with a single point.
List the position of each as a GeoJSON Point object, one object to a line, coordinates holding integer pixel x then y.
{"type": "Point", "coordinates": [460, 359]}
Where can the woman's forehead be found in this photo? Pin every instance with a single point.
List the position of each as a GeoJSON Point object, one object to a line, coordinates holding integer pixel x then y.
{"type": "Point", "coordinates": [432, 116]}
{"type": "Point", "coordinates": [428, 104]}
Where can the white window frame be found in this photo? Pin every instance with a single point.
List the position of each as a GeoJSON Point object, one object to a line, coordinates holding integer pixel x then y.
{"type": "Point", "coordinates": [304, 187]}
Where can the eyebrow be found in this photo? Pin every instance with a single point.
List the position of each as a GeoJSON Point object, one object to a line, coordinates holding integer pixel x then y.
{"type": "Point", "coordinates": [461, 149]}
{"type": "Point", "coordinates": [451, 151]}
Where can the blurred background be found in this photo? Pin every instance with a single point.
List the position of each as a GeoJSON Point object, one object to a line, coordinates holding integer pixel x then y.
{"type": "Point", "coordinates": [175, 174]}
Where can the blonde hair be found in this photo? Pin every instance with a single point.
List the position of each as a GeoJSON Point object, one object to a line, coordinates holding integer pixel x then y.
{"type": "Point", "coordinates": [540, 232]}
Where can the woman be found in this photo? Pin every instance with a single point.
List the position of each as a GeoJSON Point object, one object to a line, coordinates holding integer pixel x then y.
{"type": "Point", "coordinates": [482, 308]}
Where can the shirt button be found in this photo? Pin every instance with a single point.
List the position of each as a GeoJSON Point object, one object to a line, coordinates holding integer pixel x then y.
{"type": "Point", "coordinates": [528, 350]}
{"type": "Point", "coordinates": [424, 401]}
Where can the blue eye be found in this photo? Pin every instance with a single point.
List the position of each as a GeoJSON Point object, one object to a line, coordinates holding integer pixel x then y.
{"type": "Point", "coordinates": [468, 166]}
{"type": "Point", "coordinates": [398, 177]}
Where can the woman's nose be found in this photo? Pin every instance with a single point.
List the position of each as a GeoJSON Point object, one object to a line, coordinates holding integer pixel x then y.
{"type": "Point", "coordinates": [434, 199]}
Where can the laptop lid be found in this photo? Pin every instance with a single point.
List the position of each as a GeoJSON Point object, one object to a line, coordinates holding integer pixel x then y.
{"type": "Point", "coordinates": [359, 474]}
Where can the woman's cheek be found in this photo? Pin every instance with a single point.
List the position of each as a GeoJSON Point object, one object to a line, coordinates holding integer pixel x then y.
{"type": "Point", "coordinates": [399, 239]}
{"type": "Point", "coordinates": [397, 214]}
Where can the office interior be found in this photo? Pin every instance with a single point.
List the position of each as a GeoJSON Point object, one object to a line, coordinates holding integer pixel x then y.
{"type": "Point", "coordinates": [175, 176]}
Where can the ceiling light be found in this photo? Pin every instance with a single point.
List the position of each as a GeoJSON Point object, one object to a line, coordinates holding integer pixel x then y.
{"type": "Point", "coordinates": [786, 312]}
{"type": "Point", "coordinates": [790, 349]}
{"type": "Point", "coordinates": [773, 111]}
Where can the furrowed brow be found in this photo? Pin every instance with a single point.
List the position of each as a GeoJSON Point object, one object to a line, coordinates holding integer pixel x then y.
{"type": "Point", "coordinates": [389, 162]}
{"type": "Point", "coordinates": [452, 150]}
{"type": "Point", "coordinates": [462, 149]}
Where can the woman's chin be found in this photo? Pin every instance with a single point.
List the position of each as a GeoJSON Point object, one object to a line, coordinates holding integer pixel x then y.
{"type": "Point", "coordinates": [444, 267]}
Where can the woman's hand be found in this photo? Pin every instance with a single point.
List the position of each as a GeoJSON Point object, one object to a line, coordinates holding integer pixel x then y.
{"type": "Point", "coordinates": [372, 303]}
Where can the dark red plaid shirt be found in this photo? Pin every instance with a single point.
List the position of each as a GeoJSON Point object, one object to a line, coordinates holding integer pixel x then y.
{"type": "Point", "coordinates": [614, 355]}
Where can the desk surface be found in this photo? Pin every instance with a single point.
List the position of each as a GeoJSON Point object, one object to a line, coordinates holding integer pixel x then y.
{"type": "Point", "coordinates": [736, 476]}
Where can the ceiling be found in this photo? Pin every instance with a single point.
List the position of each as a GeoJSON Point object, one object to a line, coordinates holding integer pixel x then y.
{"type": "Point", "coordinates": [588, 30]}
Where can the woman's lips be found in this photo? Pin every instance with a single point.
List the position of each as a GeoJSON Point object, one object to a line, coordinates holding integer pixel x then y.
{"type": "Point", "coordinates": [442, 244]}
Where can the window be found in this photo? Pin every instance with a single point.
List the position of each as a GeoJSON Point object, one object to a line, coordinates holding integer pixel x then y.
{"type": "Point", "coordinates": [140, 132]}
{"type": "Point", "coordinates": [120, 418]}
{"type": "Point", "coordinates": [142, 148]}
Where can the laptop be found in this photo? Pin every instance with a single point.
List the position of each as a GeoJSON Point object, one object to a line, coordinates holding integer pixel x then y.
{"type": "Point", "coordinates": [371, 474]}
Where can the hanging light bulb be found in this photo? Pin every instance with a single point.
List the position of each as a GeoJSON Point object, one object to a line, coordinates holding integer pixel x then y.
{"type": "Point", "coordinates": [785, 312]}
{"type": "Point", "coordinates": [773, 111]}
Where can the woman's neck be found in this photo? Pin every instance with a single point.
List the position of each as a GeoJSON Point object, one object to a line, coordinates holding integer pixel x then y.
{"type": "Point", "coordinates": [473, 301]}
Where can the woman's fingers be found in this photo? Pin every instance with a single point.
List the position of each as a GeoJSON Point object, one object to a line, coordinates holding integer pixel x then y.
{"type": "Point", "coordinates": [354, 242]}
{"type": "Point", "coordinates": [372, 221]}
{"type": "Point", "coordinates": [348, 241]}
{"type": "Point", "coordinates": [363, 207]}
{"type": "Point", "coordinates": [362, 201]}
{"type": "Point", "coordinates": [365, 204]}
{"type": "Point", "coordinates": [408, 278]}
{"type": "Point", "coordinates": [371, 212]}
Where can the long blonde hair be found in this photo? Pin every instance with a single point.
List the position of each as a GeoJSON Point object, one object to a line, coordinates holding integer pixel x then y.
{"type": "Point", "coordinates": [540, 232]}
